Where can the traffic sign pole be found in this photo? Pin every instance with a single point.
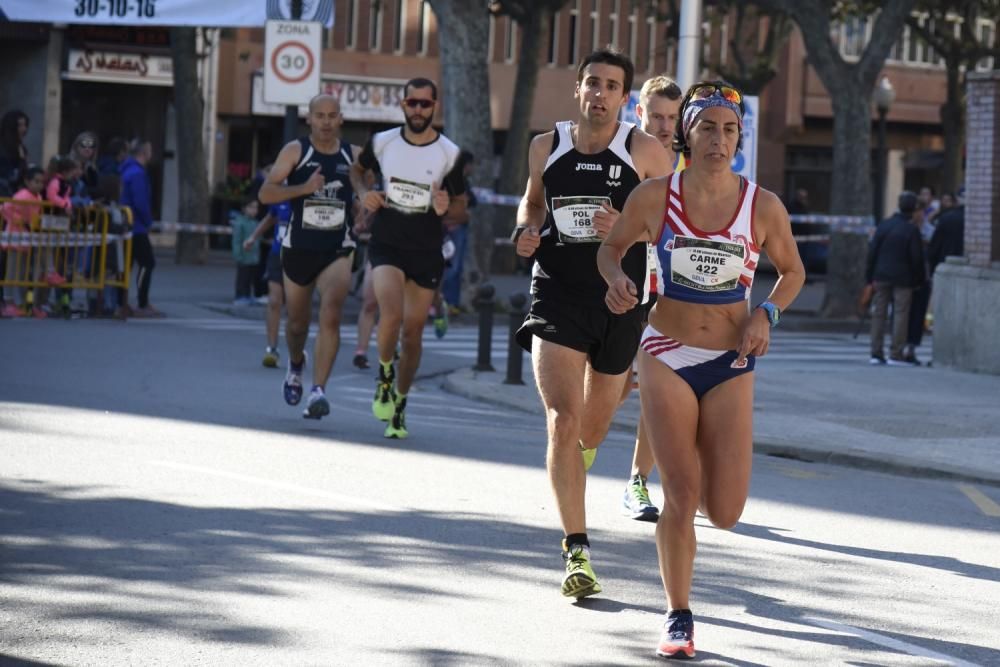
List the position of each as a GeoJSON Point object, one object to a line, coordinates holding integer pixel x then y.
{"type": "Point", "coordinates": [291, 111]}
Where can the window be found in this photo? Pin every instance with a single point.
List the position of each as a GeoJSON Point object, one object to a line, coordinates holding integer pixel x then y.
{"type": "Point", "coordinates": [424, 28]}
{"type": "Point", "coordinates": [616, 8]}
{"type": "Point", "coordinates": [351, 29]}
{"type": "Point", "coordinates": [510, 40]}
{"type": "Point", "coordinates": [987, 37]}
{"type": "Point", "coordinates": [375, 27]}
{"type": "Point", "coordinates": [574, 31]}
{"type": "Point", "coordinates": [651, 42]}
{"type": "Point", "coordinates": [553, 57]}
{"type": "Point", "coordinates": [399, 26]}
{"type": "Point", "coordinates": [595, 27]}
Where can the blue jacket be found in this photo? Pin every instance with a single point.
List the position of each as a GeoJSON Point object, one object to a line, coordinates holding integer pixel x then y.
{"type": "Point", "coordinates": [136, 195]}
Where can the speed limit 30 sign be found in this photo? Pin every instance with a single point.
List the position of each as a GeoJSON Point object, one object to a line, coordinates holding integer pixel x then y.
{"type": "Point", "coordinates": [292, 61]}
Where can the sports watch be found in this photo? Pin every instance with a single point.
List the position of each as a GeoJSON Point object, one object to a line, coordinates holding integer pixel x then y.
{"type": "Point", "coordinates": [773, 312]}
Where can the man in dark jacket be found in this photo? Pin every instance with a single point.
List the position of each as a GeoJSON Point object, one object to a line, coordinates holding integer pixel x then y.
{"type": "Point", "coordinates": [137, 195]}
{"type": "Point", "coordinates": [895, 267]}
{"type": "Point", "coordinates": [949, 236]}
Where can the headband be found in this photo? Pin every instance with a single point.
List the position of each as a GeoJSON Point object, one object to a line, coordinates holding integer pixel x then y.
{"type": "Point", "coordinates": [695, 107]}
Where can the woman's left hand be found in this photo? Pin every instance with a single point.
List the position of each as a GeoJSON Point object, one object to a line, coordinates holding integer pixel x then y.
{"type": "Point", "coordinates": [756, 336]}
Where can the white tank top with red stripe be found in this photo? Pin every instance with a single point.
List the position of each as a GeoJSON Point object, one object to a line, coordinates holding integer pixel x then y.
{"type": "Point", "coordinates": [706, 267]}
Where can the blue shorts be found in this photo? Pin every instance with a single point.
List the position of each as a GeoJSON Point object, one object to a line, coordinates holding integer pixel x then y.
{"type": "Point", "coordinates": [702, 369]}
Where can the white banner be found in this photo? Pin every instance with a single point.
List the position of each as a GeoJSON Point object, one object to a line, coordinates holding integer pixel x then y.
{"type": "Point", "coordinates": [218, 13]}
{"type": "Point", "coordinates": [361, 98]}
{"type": "Point", "coordinates": [745, 162]}
{"type": "Point", "coordinates": [114, 67]}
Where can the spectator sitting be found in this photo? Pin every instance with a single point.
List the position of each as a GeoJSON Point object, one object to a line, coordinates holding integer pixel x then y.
{"type": "Point", "coordinates": [244, 222]}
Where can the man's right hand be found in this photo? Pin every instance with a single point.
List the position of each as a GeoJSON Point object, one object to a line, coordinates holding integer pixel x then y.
{"type": "Point", "coordinates": [316, 181]}
{"type": "Point", "coordinates": [622, 296]}
{"type": "Point", "coordinates": [374, 200]}
{"type": "Point", "coordinates": [528, 242]}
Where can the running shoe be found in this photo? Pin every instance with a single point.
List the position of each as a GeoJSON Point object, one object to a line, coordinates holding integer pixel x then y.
{"type": "Point", "coordinates": [11, 310]}
{"type": "Point", "coordinates": [899, 361]}
{"type": "Point", "coordinates": [384, 404]}
{"type": "Point", "coordinates": [271, 357]}
{"type": "Point", "coordinates": [441, 324]}
{"type": "Point", "coordinates": [396, 428]}
{"type": "Point", "coordinates": [361, 361]}
{"type": "Point", "coordinates": [580, 580]}
{"type": "Point", "coordinates": [677, 639]}
{"type": "Point", "coordinates": [292, 387]}
{"type": "Point", "coordinates": [589, 455]}
{"type": "Point", "coordinates": [877, 360]}
{"type": "Point", "coordinates": [317, 406]}
{"type": "Point", "coordinates": [636, 504]}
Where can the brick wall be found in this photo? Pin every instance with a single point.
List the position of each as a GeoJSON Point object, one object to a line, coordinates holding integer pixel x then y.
{"type": "Point", "coordinates": [982, 171]}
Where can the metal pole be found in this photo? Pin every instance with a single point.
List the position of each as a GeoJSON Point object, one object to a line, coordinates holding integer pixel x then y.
{"type": "Point", "coordinates": [515, 354]}
{"type": "Point", "coordinates": [883, 165]}
{"type": "Point", "coordinates": [689, 44]}
{"type": "Point", "coordinates": [291, 111]}
{"type": "Point", "coordinates": [484, 304]}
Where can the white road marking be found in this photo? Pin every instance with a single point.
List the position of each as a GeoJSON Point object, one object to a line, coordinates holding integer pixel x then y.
{"type": "Point", "coordinates": [367, 503]}
{"type": "Point", "coordinates": [889, 642]}
{"type": "Point", "coordinates": [980, 500]}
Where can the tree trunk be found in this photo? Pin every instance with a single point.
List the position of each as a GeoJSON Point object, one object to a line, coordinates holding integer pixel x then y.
{"type": "Point", "coordinates": [464, 38]}
{"type": "Point", "coordinates": [850, 194]}
{"type": "Point", "coordinates": [953, 122]}
{"type": "Point", "coordinates": [195, 201]}
{"type": "Point", "coordinates": [514, 172]}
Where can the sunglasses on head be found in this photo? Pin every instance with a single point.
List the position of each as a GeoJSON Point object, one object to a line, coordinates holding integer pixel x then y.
{"type": "Point", "coordinates": [418, 104]}
{"type": "Point", "coordinates": [86, 143]}
{"type": "Point", "coordinates": [727, 93]}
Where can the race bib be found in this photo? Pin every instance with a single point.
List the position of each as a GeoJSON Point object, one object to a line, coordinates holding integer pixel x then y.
{"type": "Point", "coordinates": [408, 196]}
{"type": "Point", "coordinates": [323, 214]}
{"type": "Point", "coordinates": [706, 265]}
{"type": "Point", "coordinates": [574, 218]}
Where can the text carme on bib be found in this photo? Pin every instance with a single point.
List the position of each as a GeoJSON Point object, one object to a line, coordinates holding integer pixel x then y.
{"type": "Point", "coordinates": [574, 218]}
{"type": "Point", "coordinates": [706, 264]}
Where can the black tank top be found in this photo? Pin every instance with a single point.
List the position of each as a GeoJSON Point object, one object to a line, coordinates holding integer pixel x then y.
{"type": "Point", "coordinates": [322, 220]}
{"type": "Point", "coordinates": [576, 184]}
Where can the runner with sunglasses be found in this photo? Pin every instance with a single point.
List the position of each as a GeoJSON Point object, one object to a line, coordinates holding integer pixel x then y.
{"type": "Point", "coordinates": [579, 178]}
{"type": "Point", "coordinates": [313, 175]}
{"type": "Point", "coordinates": [420, 178]}
{"type": "Point", "coordinates": [699, 349]}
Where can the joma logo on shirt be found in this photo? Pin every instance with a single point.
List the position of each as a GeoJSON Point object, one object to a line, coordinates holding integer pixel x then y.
{"type": "Point", "coordinates": [589, 166]}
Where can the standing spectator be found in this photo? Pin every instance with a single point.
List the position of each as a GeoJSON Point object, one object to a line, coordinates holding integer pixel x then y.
{"type": "Point", "coordinates": [13, 152]}
{"type": "Point", "coordinates": [84, 151]}
{"type": "Point", "coordinates": [800, 204]}
{"type": "Point", "coordinates": [18, 215]}
{"type": "Point", "coordinates": [895, 266]}
{"type": "Point", "coordinates": [949, 235]}
{"type": "Point", "coordinates": [922, 295]}
{"type": "Point", "coordinates": [244, 223]}
{"type": "Point", "coordinates": [457, 230]}
{"type": "Point", "coordinates": [111, 161]}
{"type": "Point", "coordinates": [59, 190]}
{"type": "Point", "coordinates": [137, 195]}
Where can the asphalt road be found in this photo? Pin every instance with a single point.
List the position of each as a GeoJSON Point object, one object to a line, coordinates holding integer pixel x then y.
{"type": "Point", "coordinates": [159, 504]}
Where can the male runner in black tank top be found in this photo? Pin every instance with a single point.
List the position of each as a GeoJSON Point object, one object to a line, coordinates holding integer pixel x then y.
{"type": "Point", "coordinates": [421, 180]}
{"type": "Point", "coordinates": [314, 175]}
{"type": "Point", "coordinates": [579, 178]}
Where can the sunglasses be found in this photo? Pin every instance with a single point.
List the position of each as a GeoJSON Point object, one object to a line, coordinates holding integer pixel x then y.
{"type": "Point", "coordinates": [86, 143]}
{"type": "Point", "coordinates": [727, 93]}
{"type": "Point", "coordinates": [412, 103]}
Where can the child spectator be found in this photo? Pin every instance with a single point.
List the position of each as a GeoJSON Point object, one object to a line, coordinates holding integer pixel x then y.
{"type": "Point", "coordinates": [114, 301]}
{"type": "Point", "coordinates": [18, 217]}
{"type": "Point", "coordinates": [59, 191]}
{"type": "Point", "coordinates": [244, 223]}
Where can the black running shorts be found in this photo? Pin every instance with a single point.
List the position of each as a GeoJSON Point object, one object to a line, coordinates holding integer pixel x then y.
{"type": "Point", "coordinates": [610, 341]}
{"type": "Point", "coordinates": [304, 266]}
{"type": "Point", "coordinates": [424, 267]}
{"type": "Point", "coordinates": [273, 273]}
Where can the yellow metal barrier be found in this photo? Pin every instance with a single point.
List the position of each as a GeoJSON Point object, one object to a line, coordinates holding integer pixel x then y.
{"type": "Point", "coordinates": [44, 247]}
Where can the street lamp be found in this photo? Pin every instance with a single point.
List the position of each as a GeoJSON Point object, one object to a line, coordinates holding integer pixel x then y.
{"type": "Point", "coordinates": [884, 96]}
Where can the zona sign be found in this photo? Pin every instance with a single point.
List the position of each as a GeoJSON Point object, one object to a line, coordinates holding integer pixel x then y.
{"type": "Point", "coordinates": [291, 61]}
{"type": "Point", "coordinates": [283, 61]}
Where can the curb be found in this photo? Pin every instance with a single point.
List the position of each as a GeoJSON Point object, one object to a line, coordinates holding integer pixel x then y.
{"type": "Point", "coordinates": [896, 465]}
